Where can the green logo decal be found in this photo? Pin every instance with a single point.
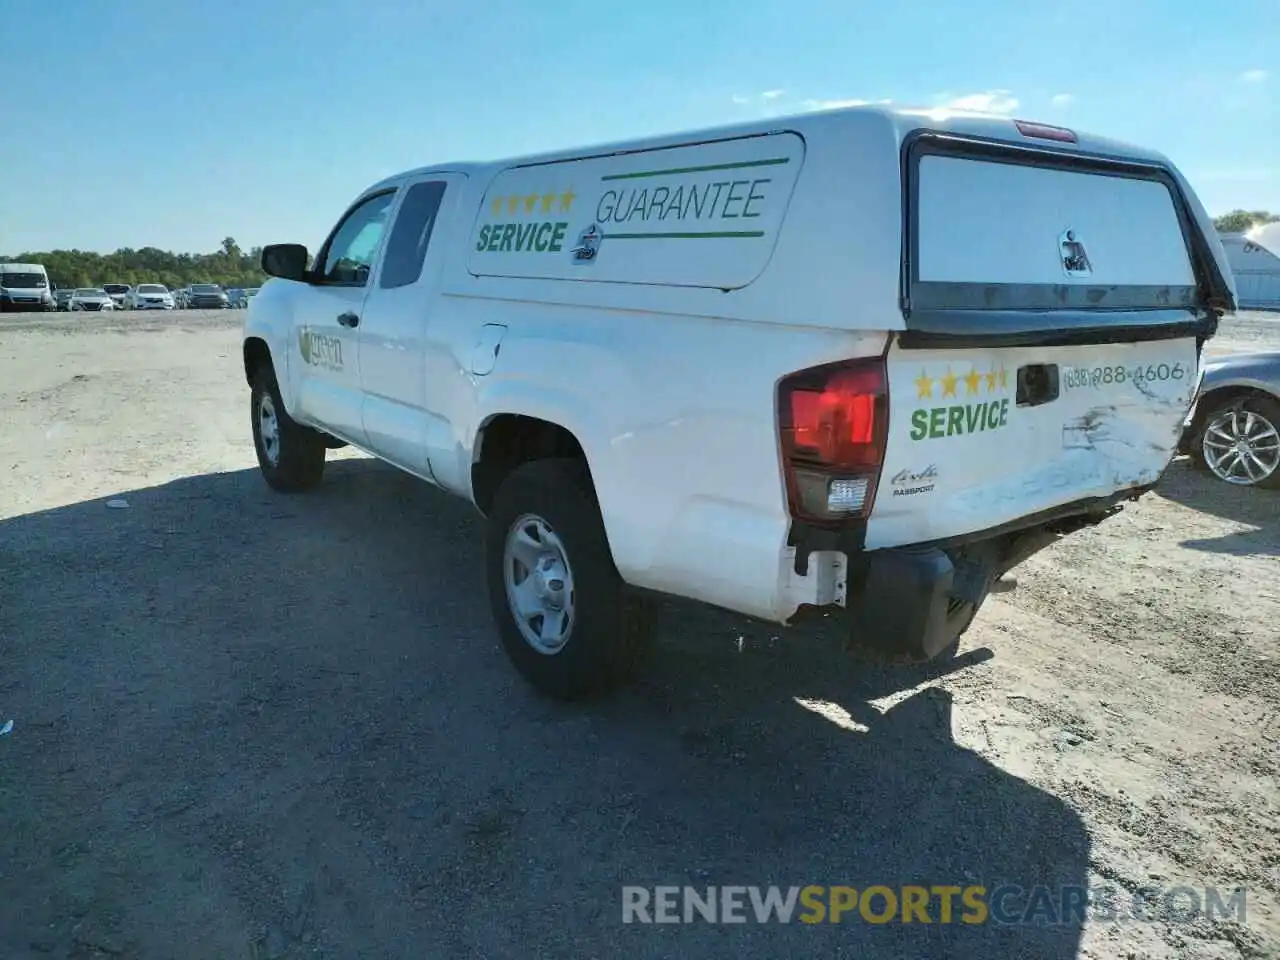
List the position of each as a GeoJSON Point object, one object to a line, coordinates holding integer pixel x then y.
{"type": "Point", "coordinates": [960, 417]}
{"type": "Point", "coordinates": [320, 350]}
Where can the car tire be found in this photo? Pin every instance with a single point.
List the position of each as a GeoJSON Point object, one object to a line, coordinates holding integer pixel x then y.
{"type": "Point", "coordinates": [607, 629]}
{"type": "Point", "coordinates": [1266, 431]}
{"type": "Point", "coordinates": [290, 455]}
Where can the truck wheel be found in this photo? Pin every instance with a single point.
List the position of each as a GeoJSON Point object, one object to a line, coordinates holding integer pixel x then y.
{"type": "Point", "coordinates": [290, 455]}
{"type": "Point", "coordinates": [567, 621]}
{"type": "Point", "coordinates": [1239, 442]}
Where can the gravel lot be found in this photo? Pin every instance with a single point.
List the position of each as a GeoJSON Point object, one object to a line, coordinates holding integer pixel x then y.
{"type": "Point", "coordinates": [252, 726]}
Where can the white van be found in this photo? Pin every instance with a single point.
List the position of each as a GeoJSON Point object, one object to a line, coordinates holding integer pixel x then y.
{"type": "Point", "coordinates": [864, 359]}
{"type": "Point", "coordinates": [25, 287]}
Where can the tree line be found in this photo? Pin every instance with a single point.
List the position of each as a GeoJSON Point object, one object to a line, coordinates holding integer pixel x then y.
{"type": "Point", "coordinates": [228, 267]}
{"type": "Point", "coordinates": [232, 267]}
{"type": "Point", "coordinates": [1238, 221]}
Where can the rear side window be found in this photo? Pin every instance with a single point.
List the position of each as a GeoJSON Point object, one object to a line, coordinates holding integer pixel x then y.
{"type": "Point", "coordinates": [407, 246]}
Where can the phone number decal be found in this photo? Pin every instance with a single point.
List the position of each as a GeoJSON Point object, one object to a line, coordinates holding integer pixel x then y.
{"type": "Point", "coordinates": [1078, 378]}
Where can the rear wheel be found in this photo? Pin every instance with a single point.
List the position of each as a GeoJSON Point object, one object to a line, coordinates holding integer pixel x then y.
{"type": "Point", "coordinates": [566, 619]}
{"type": "Point", "coordinates": [1238, 441]}
{"type": "Point", "coordinates": [290, 455]}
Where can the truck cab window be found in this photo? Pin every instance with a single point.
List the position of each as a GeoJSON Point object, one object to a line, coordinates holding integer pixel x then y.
{"type": "Point", "coordinates": [348, 256]}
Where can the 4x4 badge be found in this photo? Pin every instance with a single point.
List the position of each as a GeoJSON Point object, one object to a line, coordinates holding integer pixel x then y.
{"type": "Point", "coordinates": [1075, 260]}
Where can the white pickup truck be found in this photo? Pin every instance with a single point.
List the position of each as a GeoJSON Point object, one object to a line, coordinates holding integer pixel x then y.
{"type": "Point", "coordinates": [864, 359]}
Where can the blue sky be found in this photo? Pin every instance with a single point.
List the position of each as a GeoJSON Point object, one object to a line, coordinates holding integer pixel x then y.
{"type": "Point", "coordinates": [175, 123]}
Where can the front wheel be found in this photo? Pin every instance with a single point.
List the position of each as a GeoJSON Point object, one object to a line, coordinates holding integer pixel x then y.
{"type": "Point", "coordinates": [290, 455]}
{"type": "Point", "coordinates": [1238, 441]}
{"type": "Point", "coordinates": [566, 619]}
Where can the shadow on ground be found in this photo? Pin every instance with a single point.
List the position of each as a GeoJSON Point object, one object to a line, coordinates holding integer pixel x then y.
{"type": "Point", "coordinates": [253, 726]}
{"type": "Point", "coordinates": [1254, 506]}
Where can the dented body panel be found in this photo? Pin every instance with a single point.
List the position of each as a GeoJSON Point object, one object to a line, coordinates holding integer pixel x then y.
{"type": "Point", "coordinates": [992, 454]}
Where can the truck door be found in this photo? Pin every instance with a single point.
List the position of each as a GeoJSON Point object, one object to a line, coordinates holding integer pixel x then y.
{"type": "Point", "coordinates": [399, 422]}
{"type": "Point", "coordinates": [326, 320]}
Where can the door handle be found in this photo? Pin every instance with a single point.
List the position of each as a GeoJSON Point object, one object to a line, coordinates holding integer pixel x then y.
{"type": "Point", "coordinates": [348, 319]}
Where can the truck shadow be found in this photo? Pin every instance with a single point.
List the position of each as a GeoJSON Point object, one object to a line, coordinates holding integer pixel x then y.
{"type": "Point", "coordinates": [1254, 506]}
{"type": "Point", "coordinates": [282, 725]}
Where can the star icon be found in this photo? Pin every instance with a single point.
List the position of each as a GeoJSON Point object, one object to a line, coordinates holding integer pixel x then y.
{"type": "Point", "coordinates": [497, 206]}
{"type": "Point", "coordinates": [513, 204]}
{"type": "Point", "coordinates": [991, 380]}
{"type": "Point", "coordinates": [972, 380]}
{"type": "Point", "coordinates": [1004, 379]}
{"type": "Point", "coordinates": [530, 202]}
{"type": "Point", "coordinates": [924, 386]}
{"type": "Point", "coordinates": [547, 200]}
{"type": "Point", "coordinates": [949, 384]}
{"type": "Point", "coordinates": [566, 200]}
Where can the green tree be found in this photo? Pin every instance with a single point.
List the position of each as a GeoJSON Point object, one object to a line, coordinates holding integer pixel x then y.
{"type": "Point", "coordinates": [1238, 221]}
{"type": "Point", "coordinates": [227, 266]}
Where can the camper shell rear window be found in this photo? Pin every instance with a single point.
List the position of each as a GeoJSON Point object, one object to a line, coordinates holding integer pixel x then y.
{"type": "Point", "coordinates": [1003, 239]}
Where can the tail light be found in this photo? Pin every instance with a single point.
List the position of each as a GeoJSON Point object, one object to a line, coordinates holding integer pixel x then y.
{"type": "Point", "coordinates": [833, 422]}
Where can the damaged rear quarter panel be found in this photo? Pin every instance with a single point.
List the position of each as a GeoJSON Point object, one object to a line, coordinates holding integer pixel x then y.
{"type": "Point", "coordinates": [1114, 425]}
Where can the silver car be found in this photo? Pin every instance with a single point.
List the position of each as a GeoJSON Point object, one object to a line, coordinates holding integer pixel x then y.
{"type": "Point", "coordinates": [1233, 430]}
{"type": "Point", "coordinates": [90, 299]}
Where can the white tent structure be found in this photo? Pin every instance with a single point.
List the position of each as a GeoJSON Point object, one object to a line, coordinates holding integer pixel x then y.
{"type": "Point", "coordinates": [1255, 260]}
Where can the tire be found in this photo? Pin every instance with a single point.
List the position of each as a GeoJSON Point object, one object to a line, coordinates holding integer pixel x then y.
{"type": "Point", "coordinates": [609, 628]}
{"type": "Point", "coordinates": [1266, 434]}
{"type": "Point", "coordinates": [296, 461]}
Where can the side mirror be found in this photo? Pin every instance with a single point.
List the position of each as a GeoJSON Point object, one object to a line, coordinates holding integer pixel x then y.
{"type": "Point", "coordinates": [288, 261]}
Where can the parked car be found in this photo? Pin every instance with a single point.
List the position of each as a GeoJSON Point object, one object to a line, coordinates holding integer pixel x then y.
{"type": "Point", "coordinates": [180, 298]}
{"type": "Point", "coordinates": [90, 298]}
{"type": "Point", "coordinates": [62, 297]}
{"type": "Point", "coordinates": [1233, 430]}
{"type": "Point", "coordinates": [207, 296]}
{"type": "Point", "coordinates": [857, 360]}
{"type": "Point", "coordinates": [118, 292]}
{"type": "Point", "coordinates": [25, 287]}
{"type": "Point", "coordinates": [249, 294]}
{"type": "Point", "coordinates": [236, 298]}
{"type": "Point", "coordinates": [149, 296]}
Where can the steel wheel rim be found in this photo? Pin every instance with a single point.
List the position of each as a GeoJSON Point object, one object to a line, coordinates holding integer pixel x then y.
{"type": "Point", "coordinates": [269, 429]}
{"type": "Point", "coordinates": [1241, 446]}
{"type": "Point", "coordinates": [539, 584]}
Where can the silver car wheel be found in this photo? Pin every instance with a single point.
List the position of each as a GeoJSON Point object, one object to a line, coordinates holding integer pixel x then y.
{"type": "Point", "coordinates": [269, 429]}
{"type": "Point", "coordinates": [1241, 446]}
{"type": "Point", "coordinates": [539, 584]}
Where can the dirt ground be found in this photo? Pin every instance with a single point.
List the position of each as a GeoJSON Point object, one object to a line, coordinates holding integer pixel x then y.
{"type": "Point", "coordinates": [251, 726]}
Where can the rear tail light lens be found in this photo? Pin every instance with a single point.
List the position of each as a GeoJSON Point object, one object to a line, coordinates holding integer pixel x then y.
{"type": "Point", "coordinates": [833, 422]}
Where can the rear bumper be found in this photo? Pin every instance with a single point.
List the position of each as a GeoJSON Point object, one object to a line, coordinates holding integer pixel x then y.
{"type": "Point", "coordinates": [907, 603]}
{"type": "Point", "coordinates": [915, 601]}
